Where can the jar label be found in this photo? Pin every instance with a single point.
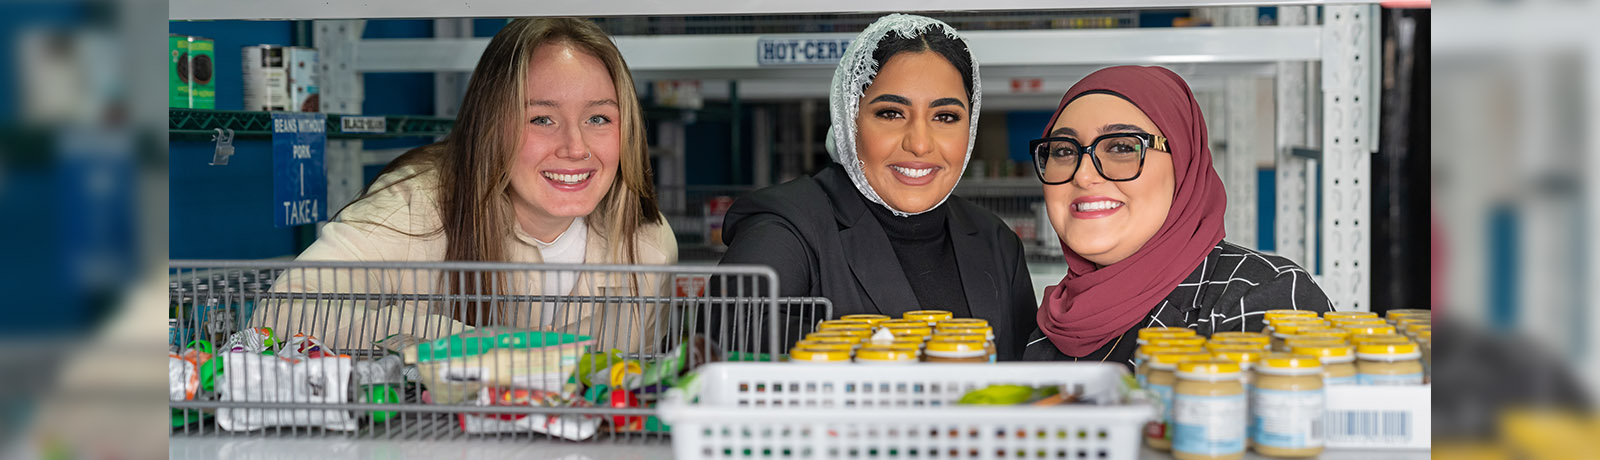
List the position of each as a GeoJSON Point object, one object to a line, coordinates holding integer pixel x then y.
{"type": "Point", "coordinates": [1163, 401]}
{"type": "Point", "coordinates": [1208, 425]}
{"type": "Point", "coordinates": [1287, 419]}
{"type": "Point", "coordinates": [1347, 380]}
{"type": "Point", "coordinates": [1390, 380]}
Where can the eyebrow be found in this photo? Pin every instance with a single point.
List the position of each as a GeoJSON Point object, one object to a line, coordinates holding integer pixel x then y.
{"type": "Point", "coordinates": [891, 98]}
{"type": "Point", "coordinates": [1121, 128]}
{"type": "Point", "coordinates": [947, 101]}
{"type": "Point", "coordinates": [1064, 132]}
{"type": "Point", "coordinates": [553, 104]}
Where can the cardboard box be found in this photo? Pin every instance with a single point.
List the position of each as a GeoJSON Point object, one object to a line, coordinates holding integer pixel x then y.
{"type": "Point", "coordinates": [1379, 417]}
{"type": "Point", "coordinates": [302, 80]}
{"type": "Point", "coordinates": [266, 78]}
{"type": "Point", "coordinates": [191, 72]}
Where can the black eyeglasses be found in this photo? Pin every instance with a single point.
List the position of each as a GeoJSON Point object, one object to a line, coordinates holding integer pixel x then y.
{"type": "Point", "coordinates": [1118, 157]}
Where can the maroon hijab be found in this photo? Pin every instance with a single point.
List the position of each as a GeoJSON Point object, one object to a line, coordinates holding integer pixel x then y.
{"type": "Point", "coordinates": [1090, 306]}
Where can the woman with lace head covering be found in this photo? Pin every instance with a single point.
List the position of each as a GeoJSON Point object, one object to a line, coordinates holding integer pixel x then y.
{"type": "Point", "coordinates": [878, 231]}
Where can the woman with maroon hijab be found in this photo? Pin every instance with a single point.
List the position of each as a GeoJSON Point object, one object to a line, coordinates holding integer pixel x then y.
{"type": "Point", "coordinates": [1130, 190]}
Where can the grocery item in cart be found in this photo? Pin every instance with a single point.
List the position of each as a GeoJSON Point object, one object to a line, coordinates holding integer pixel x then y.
{"type": "Point", "coordinates": [571, 427]}
{"type": "Point", "coordinates": [253, 340]}
{"type": "Point", "coordinates": [456, 368]}
{"type": "Point", "coordinates": [253, 377]}
{"type": "Point", "coordinates": [305, 346]}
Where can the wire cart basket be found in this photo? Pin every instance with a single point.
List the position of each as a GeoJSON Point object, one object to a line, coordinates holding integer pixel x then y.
{"type": "Point", "coordinates": [427, 351]}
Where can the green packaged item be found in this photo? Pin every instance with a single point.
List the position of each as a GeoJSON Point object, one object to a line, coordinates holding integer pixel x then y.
{"type": "Point", "coordinates": [1006, 395]}
{"type": "Point", "coordinates": [191, 72]}
{"type": "Point", "coordinates": [478, 342]}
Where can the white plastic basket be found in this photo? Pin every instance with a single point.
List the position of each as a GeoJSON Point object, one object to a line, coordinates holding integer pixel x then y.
{"type": "Point", "coordinates": [788, 410]}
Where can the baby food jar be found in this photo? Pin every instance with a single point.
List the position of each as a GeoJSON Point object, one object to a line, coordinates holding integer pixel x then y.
{"type": "Point", "coordinates": [1208, 411]}
{"type": "Point", "coordinates": [1286, 406]}
{"type": "Point", "coordinates": [1338, 362]}
{"type": "Point", "coordinates": [1388, 363]}
{"type": "Point", "coordinates": [1162, 377]}
{"type": "Point", "coordinates": [953, 350]}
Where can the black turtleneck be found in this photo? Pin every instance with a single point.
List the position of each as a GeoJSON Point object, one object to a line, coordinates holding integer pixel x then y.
{"type": "Point", "coordinates": [922, 244]}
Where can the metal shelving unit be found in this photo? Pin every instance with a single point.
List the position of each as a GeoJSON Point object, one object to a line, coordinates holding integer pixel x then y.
{"type": "Point", "coordinates": [198, 124]}
{"type": "Point", "coordinates": [1320, 56]}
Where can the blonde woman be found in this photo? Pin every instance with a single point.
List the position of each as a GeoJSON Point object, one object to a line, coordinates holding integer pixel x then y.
{"type": "Point", "coordinates": [546, 164]}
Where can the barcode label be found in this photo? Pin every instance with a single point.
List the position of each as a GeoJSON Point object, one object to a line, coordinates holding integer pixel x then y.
{"type": "Point", "coordinates": [1385, 427]}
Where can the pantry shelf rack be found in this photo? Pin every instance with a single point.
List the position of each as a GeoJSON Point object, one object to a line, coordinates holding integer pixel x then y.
{"type": "Point", "coordinates": [200, 124]}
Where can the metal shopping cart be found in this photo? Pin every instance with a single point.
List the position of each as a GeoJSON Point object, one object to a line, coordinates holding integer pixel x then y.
{"type": "Point", "coordinates": [446, 350]}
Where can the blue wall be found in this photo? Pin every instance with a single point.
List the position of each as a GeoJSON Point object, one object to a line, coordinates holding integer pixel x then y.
{"type": "Point", "coordinates": [225, 212]}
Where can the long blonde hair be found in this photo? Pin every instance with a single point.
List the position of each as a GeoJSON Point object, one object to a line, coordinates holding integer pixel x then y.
{"type": "Point", "coordinates": [474, 160]}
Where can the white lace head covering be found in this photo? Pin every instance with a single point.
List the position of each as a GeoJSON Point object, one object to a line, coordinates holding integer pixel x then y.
{"type": "Point", "coordinates": [856, 71]}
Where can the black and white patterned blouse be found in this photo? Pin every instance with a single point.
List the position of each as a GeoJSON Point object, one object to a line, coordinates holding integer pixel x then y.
{"type": "Point", "coordinates": [1229, 291]}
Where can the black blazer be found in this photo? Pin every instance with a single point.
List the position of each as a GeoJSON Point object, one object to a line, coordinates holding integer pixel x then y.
{"type": "Point", "coordinates": [822, 240]}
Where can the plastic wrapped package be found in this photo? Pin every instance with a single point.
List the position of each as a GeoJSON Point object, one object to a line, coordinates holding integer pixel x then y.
{"type": "Point", "coordinates": [571, 427]}
{"type": "Point", "coordinates": [183, 378]}
{"type": "Point", "coordinates": [251, 377]}
{"type": "Point", "coordinates": [455, 369]}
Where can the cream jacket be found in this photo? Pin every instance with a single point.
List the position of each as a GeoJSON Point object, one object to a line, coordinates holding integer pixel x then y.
{"type": "Point", "coordinates": [351, 308]}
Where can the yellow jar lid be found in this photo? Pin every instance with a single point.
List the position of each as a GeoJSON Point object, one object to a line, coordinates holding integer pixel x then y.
{"type": "Point", "coordinates": [827, 346]}
{"type": "Point", "coordinates": [915, 341]}
{"type": "Point", "coordinates": [1146, 351]}
{"type": "Point", "coordinates": [902, 323]}
{"type": "Point", "coordinates": [940, 346]}
{"type": "Point", "coordinates": [1195, 341]}
{"type": "Point", "coordinates": [830, 335]}
{"type": "Point", "coordinates": [929, 316]}
{"type": "Point", "coordinates": [1290, 362]}
{"type": "Point", "coordinates": [857, 333]}
{"type": "Point", "coordinates": [1332, 315]}
{"type": "Point", "coordinates": [964, 337]}
{"type": "Point", "coordinates": [811, 355]}
{"type": "Point", "coordinates": [1250, 338]}
{"type": "Point", "coordinates": [836, 324]}
{"type": "Point", "coordinates": [1170, 360]}
{"type": "Point", "coordinates": [1241, 355]}
{"type": "Point", "coordinates": [1403, 322]}
{"type": "Point", "coordinates": [1273, 315]}
{"type": "Point", "coordinates": [1216, 344]}
{"type": "Point", "coordinates": [881, 353]}
{"type": "Point", "coordinates": [946, 328]}
{"type": "Point", "coordinates": [870, 319]}
{"type": "Point", "coordinates": [1390, 349]}
{"type": "Point", "coordinates": [1164, 332]}
{"type": "Point", "coordinates": [1391, 314]}
{"type": "Point", "coordinates": [839, 340]}
{"type": "Point", "coordinates": [964, 322]}
{"type": "Point", "coordinates": [1370, 330]}
{"type": "Point", "coordinates": [1300, 340]}
{"type": "Point", "coordinates": [903, 346]}
{"type": "Point", "coordinates": [1413, 329]}
{"type": "Point", "coordinates": [910, 331]}
{"type": "Point", "coordinates": [1425, 335]}
{"type": "Point", "coordinates": [1341, 322]}
{"type": "Point", "coordinates": [1326, 352]}
{"type": "Point", "coordinates": [1332, 331]}
{"type": "Point", "coordinates": [1208, 367]}
{"type": "Point", "coordinates": [1359, 339]}
{"type": "Point", "coordinates": [1229, 335]}
{"type": "Point", "coordinates": [1288, 328]}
